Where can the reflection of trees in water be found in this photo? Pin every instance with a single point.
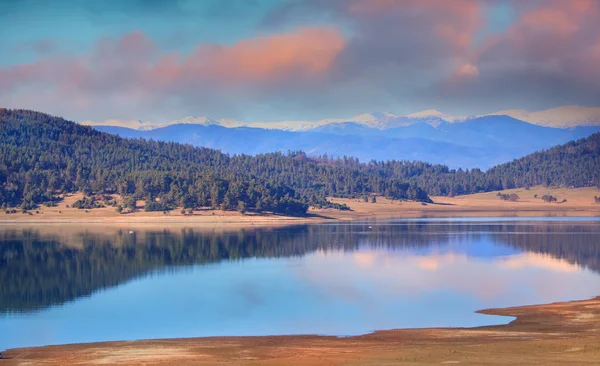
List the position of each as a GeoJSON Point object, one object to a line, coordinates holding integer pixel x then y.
{"type": "Point", "coordinates": [578, 245]}
{"type": "Point", "coordinates": [39, 270]}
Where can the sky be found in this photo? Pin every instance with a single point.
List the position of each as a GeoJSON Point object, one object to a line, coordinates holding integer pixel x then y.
{"type": "Point", "coordinates": [273, 60]}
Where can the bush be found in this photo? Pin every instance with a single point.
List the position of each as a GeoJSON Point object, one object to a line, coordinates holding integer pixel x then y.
{"type": "Point", "coordinates": [513, 197]}
{"type": "Point", "coordinates": [87, 203]}
{"type": "Point", "coordinates": [549, 198]}
{"type": "Point", "coordinates": [130, 203]}
{"type": "Point", "coordinates": [341, 207]}
{"type": "Point", "coordinates": [28, 205]}
{"type": "Point", "coordinates": [241, 207]}
{"type": "Point", "coordinates": [156, 206]}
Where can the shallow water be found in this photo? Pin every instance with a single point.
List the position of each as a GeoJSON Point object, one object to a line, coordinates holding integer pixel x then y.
{"type": "Point", "coordinates": [97, 284]}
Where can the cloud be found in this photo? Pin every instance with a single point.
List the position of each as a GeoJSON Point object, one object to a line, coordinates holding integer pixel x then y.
{"type": "Point", "coordinates": [440, 53]}
{"type": "Point", "coordinates": [547, 56]}
{"type": "Point", "coordinates": [131, 70]}
{"type": "Point", "coordinates": [318, 59]}
{"type": "Point", "coordinates": [467, 70]}
{"type": "Point", "coordinates": [305, 52]}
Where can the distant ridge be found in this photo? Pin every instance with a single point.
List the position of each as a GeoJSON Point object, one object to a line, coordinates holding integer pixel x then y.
{"type": "Point", "coordinates": [561, 117]}
{"type": "Point", "coordinates": [478, 142]}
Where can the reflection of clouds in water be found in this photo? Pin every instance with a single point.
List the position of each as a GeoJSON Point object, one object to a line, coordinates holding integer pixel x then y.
{"type": "Point", "coordinates": [433, 262]}
{"type": "Point", "coordinates": [538, 260]}
{"type": "Point", "coordinates": [363, 275]}
{"type": "Point", "coordinates": [364, 259]}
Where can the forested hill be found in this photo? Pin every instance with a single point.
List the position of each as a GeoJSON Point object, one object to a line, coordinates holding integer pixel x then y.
{"type": "Point", "coordinates": [575, 164]}
{"type": "Point", "coordinates": [42, 156]}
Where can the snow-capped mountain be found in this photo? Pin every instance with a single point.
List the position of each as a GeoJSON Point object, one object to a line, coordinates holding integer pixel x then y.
{"type": "Point", "coordinates": [562, 117]}
{"type": "Point", "coordinates": [147, 126]}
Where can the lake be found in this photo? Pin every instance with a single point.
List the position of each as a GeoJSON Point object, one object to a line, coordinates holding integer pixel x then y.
{"type": "Point", "coordinates": [71, 285]}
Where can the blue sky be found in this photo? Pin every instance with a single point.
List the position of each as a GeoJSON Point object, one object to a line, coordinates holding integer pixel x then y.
{"type": "Point", "coordinates": [295, 59]}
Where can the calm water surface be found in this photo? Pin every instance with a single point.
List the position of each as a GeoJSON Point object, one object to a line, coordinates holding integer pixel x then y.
{"type": "Point", "coordinates": [64, 285]}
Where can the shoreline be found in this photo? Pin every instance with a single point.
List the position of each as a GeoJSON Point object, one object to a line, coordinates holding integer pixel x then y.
{"type": "Point", "coordinates": [556, 333]}
{"type": "Point", "coordinates": [579, 203]}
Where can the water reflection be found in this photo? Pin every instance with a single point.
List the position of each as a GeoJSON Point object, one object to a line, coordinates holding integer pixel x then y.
{"type": "Point", "coordinates": [329, 279]}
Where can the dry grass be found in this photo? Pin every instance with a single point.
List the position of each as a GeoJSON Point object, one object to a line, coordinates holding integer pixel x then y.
{"type": "Point", "coordinates": [580, 202]}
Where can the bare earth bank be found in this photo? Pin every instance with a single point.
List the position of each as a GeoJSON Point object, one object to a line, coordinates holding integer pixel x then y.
{"type": "Point", "coordinates": [579, 202]}
{"type": "Point", "coordinates": [554, 334]}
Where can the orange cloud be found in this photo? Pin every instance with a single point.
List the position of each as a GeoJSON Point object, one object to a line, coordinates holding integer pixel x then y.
{"type": "Point", "coordinates": [130, 71]}
{"type": "Point", "coordinates": [133, 64]}
{"type": "Point", "coordinates": [308, 51]}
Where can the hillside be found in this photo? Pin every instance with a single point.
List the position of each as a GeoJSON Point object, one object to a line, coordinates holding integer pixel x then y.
{"type": "Point", "coordinates": [43, 157]}
{"type": "Point", "coordinates": [575, 164]}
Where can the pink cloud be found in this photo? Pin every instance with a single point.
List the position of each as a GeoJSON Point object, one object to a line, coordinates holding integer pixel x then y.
{"type": "Point", "coordinates": [308, 51]}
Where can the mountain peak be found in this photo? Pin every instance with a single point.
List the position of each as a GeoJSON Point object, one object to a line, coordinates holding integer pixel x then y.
{"type": "Point", "coordinates": [202, 120]}
{"type": "Point", "coordinates": [436, 115]}
{"type": "Point", "coordinates": [427, 113]}
{"type": "Point", "coordinates": [373, 116]}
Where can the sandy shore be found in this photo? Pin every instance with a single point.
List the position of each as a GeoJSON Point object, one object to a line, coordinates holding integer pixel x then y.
{"type": "Point", "coordinates": [553, 334]}
{"type": "Point", "coordinates": [579, 202]}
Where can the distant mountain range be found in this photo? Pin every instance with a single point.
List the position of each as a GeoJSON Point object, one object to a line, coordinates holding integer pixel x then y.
{"type": "Point", "coordinates": [465, 142]}
{"type": "Point", "coordinates": [561, 117]}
